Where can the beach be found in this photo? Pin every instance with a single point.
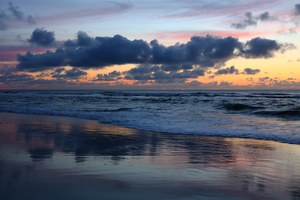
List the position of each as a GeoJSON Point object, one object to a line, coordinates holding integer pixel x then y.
{"type": "Point", "coordinates": [150, 100]}
{"type": "Point", "coordinates": [49, 157]}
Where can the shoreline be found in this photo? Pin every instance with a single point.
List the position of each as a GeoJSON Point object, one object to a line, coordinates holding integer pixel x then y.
{"type": "Point", "coordinates": [143, 130]}
{"type": "Point", "coordinates": [47, 157]}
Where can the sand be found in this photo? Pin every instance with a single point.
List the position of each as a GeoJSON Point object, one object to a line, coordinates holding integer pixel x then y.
{"type": "Point", "coordinates": [48, 157]}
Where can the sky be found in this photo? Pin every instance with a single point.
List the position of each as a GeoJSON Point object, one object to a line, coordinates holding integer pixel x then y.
{"type": "Point", "coordinates": [143, 44]}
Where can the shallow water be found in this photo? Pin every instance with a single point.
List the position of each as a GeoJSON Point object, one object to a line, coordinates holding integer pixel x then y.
{"type": "Point", "coordinates": [46, 157]}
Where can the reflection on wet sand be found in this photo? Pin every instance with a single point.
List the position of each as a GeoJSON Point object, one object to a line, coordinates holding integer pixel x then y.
{"type": "Point", "coordinates": [41, 151]}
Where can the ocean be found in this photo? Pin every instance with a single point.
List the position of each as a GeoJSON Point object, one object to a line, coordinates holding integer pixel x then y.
{"type": "Point", "coordinates": [268, 115]}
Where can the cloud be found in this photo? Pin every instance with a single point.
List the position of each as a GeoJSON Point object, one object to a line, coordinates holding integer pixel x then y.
{"type": "Point", "coordinates": [275, 83]}
{"type": "Point", "coordinates": [15, 11]}
{"type": "Point", "coordinates": [225, 84]}
{"type": "Point", "coordinates": [8, 75]}
{"type": "Point", "coordinates": [104, 51]}
{"type": "Point", "coordinates": [211, 8]}
{"type": "Point", "coordinates": [142, 72]}
{"type": "Point", "coordinates": [57, 73]}
{"type": "Point", "coordinates": [291, 79]}
{"type": "Point", "coordinates": [3, 18]}
{"type": "Point", "coordinates": [250, 71]}
{"type": "Point", "coordinates": [74, 73]}
{"type": "Point", "coordinates": [264, 79]}
{"type": "Point", "coordinates": [159, 74]}
{"type": "Point", "coordinates": [176, 67]}
{"type": "Point", "coordinates": [42, 37]}
{"type": "Point", "coordinates": [98, 11]}
{"type": "Point", "coordinates": [248, 21]}
{"type": "Point", "coordinates": [261, 48]}
{"type": "Point", "coordinates": [99, 52]}
{"type": "Point", "coordinates": [112, 76]}
{"type": "Point", "coordinates": [40, 62]}
{"type": "Point", "coordinates": [297, 9]}
{"type": "Point", "coordinates": [87, 52]}
{"type": "Point", "coordinates": [228, 70]}
{"type": "Point", "coordinates": [59, 70]}
{"type": "Point", "coordinates": [16, 78]}
{"type": "Point", "coordinates": [63, 78]}
{"type": "Point", "coordinates": [266, 17]}
{"type": "Point", "coordinates": [30, 19]}
{"type": "Point", "coordinates": [286, 30]}
{"type": "Point", "coordinates": [251, 20]}
{"type": "Point", "coordinates": [205, 51]}
{"type": "Point", "coordinates": [83, 39]}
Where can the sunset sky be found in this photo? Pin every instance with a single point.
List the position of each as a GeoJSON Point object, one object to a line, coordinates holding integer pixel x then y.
{"type": "Point", "coordinates": [143, 44]}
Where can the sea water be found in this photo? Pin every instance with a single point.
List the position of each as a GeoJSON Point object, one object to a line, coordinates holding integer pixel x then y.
{"type": "Point", "coordinates": [269, 115]}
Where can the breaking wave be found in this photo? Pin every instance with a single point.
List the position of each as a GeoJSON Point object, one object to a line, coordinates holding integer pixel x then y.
{"type": "Point", "coordinates": [271, 115]}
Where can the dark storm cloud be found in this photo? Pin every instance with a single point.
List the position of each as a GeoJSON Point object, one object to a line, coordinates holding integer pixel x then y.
{"type": "Point", "coordinates": [228, 70]}
{"type": "Point", "coordinates": [112, 76]}
{"type": "Point", "coordinates": [83, 40]}
{"type": "Point", "coordinates": [99, 52]}
{"type": "Point", "coordinates": [205, 51]}
{"type": "Point", "coordinates": [40, 62]}
{"type": "Point", "coordinates": [260, 48]}
{"type": "Point", "coordinates": [89, 52]}
{"type": "Point", "coordinates": [297, 9]}
{"type": "Point", "coordinates": [42, 37]}
{"type": "Point", "coordinates": [142, 72]}
{"type": "Point", "coordinates": [160, 75]}
{"type": "Point", "coordinates": [250, 71]}
{"type": "Point", "coordinates": [251, 20]}
{"type": "Point", "coordinates": [104, 51]}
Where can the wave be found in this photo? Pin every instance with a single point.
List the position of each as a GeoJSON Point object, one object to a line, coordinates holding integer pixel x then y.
{"type": "Point", "coordinates": [271, 94]}
{"type": "Point", "coordinates": [293, 113]}
{"type": "Point", "coordinates": [215, 113]}
{"type": "Point", "coordinates": [116, 110]}
{"type": "Point", "coordinates": [171, 93]}
{"type": "Point", "coordinates": [238, 106]}
{"type": "Point", "coordinates": [176, 124]}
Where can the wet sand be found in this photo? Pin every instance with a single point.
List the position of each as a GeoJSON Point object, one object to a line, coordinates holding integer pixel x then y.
{"type": "Point", "coordinates": [47, 157]}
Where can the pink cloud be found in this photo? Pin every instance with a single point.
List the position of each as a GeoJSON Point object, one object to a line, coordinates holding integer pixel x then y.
{"type": "Point", "coordinates": [213, 9]}
{"type": "Point", "coordinates": [9, 53]}
{"type": "Point", "coordinates": [114, 8]}
{"type": "Point", "coordinates": [183, 36]}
